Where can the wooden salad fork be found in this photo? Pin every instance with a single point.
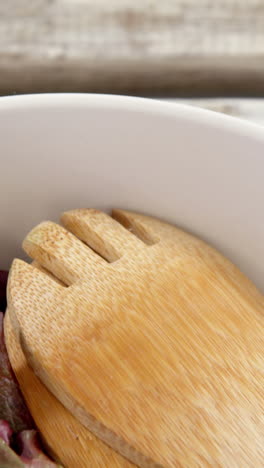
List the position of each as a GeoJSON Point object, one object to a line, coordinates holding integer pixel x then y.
{"type": "Point", "coordinates": [154, 341]}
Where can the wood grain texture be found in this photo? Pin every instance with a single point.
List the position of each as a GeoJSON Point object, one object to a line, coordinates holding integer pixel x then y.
{"type": "Point", "coordinates": [66, 438]}
{"type": "Point", "coordinates": [185, 47]}
{"type": "Point", "coordinates": [160, 353]}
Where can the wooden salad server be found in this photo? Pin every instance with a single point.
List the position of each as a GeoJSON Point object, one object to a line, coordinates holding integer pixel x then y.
{"type": "Point", "coordinates": [154, 341]}
{"type": "Point", "coordinates": [66, 439]}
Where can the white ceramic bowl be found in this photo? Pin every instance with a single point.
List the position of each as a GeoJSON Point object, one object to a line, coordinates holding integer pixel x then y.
{"type": "Point", "coordinates": [200, 170]}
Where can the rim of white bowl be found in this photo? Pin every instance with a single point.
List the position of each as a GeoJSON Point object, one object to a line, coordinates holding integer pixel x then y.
{"type": "Point", "coordinates": [186, 112]}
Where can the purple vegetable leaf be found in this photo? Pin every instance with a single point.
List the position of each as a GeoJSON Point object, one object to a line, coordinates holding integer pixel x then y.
{"type": "Point", "coordinates": [12, 406]}
{"type": "Point", "coordinates": [5, 431]}
{"type": "Point", "coordinates": [8, 458]}
{"type": "Point", "coordinates": [31, 453]}
{"type": "Point", "coordinates": [3, 282]}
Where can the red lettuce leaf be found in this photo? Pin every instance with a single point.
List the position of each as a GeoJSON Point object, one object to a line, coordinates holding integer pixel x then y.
{"type": "Point", "coordinates": [5, 431]}
{"type": "Point", "coordinates": [30, 452]}
{"type": "Point", "coordinates": [8, 458]}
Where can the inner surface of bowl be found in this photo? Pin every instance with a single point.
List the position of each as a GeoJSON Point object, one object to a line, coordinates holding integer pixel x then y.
{"type": "Point", "coordinates": [200, 170]}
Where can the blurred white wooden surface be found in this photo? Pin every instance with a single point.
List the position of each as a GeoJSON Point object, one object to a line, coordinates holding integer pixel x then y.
{"type": "Point", "coordinates": [166, 48]}
{"type": "Point", "coordinates": [247, 109]}
{"type": "Point", "coordinates": [142, 46]}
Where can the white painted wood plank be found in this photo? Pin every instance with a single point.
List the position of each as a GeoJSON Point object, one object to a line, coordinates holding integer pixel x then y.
{"type": "Point", "coordinates": [248, 109]}
{"type": "Point", "coordinates": [144, 46]}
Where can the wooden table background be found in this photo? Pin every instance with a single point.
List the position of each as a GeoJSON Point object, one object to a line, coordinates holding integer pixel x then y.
{"type": "Point", "coordinates": [212, 50]}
